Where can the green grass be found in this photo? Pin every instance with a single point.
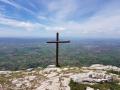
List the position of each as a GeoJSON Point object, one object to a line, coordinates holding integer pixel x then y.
{"type": "Point", "coordinates": [103, 86]}
{"type": "Point", "coordinates": [114, 72]}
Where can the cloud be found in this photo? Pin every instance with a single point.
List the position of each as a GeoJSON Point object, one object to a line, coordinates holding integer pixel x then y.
{"type": "Point", "coordinates": [29, 26]}
{"type": "Point", "coordinates": [42, 17]}
{"type": "Point", "coordinates": [20, 24]}
{"type": "Point", "coordinates": [64, 10]}
{"type": "Point", "coordinates": [104, 23]}
{"type": "Point", "coordinates": [55, 29]}
{"type": "Point", "coordinates": [61, 9]}
{"type": "Point", "coordinates": [18, 6]}
{"type": "Point", "coordinates": [70, 16]}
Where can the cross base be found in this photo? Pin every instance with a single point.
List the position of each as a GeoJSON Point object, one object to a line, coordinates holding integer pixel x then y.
{"type": "Point", "coordinates": [57, 65]}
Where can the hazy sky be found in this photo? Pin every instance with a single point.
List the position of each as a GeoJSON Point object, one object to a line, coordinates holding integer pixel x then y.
{"type": "Point", "coordinates": [75, 18]}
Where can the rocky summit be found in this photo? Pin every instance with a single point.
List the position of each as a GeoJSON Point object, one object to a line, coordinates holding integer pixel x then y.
{"type": "Point", "coordinates": [53, 78]}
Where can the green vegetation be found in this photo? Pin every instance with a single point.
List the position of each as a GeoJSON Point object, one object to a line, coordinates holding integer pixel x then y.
{"type": "Point", "coordinates": [114, 72]}
{"type": "Point", "coordinates": [103, 86]}
{"type": "Point", "coordinates": [18, 54]}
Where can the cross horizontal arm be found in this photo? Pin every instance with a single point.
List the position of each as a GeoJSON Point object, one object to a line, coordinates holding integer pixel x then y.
{"type": "Point", "coordinates": [59, 42]}
{"type": "Point", "coordinates": [63, 41]}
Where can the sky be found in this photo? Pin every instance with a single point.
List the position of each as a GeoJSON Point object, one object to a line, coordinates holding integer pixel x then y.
{"type": "Point", "coordinates": [71, 18]}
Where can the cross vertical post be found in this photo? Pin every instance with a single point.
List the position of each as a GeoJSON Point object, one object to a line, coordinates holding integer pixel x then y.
{"type": "Point", "coordinates": [57, 47]}
{"type": "Point", "coordinates": [57, 50]}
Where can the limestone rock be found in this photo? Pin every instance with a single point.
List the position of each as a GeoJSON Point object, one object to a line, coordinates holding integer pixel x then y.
{"type": "Point", "coordinates": [1, 88]}
{"type": "Point", "coordinates": [104, 67]}
{"type": "Point", "coordinates": [50, 70]}
{"type": "Point", "coordinates": [65, 69]}
{"type": "Point", "coordinates": [29, 69]}
{"type": "Point", "coordinates": [5, 72]}
{"type": "Point", "coordinates": [54, 78]}
{"type": "Point", "coordinates": [30, 78]}
{"type": "Point", "coordinates": [89, 88]}
{"type": "Point", "coordinates": [51, 66]}
{"type": "Point", "coordinates": [91, 77]}
{"type": "Point", "coordinates": [52, 74]}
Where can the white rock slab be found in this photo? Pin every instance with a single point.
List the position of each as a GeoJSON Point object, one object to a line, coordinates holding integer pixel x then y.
{"type": "Point", "coordinates": [89, 88]}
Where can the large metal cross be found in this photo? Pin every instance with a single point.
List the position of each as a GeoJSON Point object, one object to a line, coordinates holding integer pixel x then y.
{"type": "Point", "coordinates": [57, 47]}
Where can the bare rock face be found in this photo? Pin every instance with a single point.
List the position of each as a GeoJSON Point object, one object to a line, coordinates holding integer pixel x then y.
{"type": "Point", "coordinates": [55, 83]}
{"type": "Point", "coordinates": [1, 87]}
{"type": "Point", "coordinates": [29, 69]}
{"type": "Point", "coordinates": [89, 88]}
{"type": "Point", "coordinates": [91, 77]}
{"type": "Point", "coordinates": [23, 81]}
{"type": "Point", "coordinates": [54, 78]}
{"type": "Point", "coordinates": [5, 72]}
{"type": "Point", "coordinates": [50, 69]}
{"type": "Point", "coordinates": [104, 67]}
{"type": "Point", "coordinates": [51, 66]}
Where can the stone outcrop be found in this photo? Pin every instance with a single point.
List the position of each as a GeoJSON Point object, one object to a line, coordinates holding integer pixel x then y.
{"type": "Point", "coordinates": [23, 81]}
{"type": "Point", "coordinates": [89, 88]}
{"type": "Point", "coordinates": [104, 67]}
{"type": "Point", "coordinates": [53, 78]}
{"type": "Point", "coordinates": [5, 72]}
{"type": "Point", "coordinates": [91, 77]}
